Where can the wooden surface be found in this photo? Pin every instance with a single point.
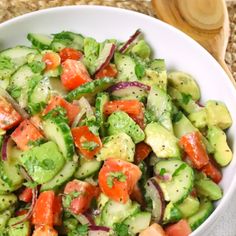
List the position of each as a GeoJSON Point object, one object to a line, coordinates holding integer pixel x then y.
{"type": "Point", "coordinates": [206, 21]}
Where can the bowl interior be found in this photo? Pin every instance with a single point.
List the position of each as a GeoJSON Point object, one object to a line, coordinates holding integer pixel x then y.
{"type": "Point", "coordinates": [179, 51]}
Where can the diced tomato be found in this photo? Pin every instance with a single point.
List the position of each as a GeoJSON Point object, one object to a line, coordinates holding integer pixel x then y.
{"type": "Point", "coordinates": [194, 147]}
{"type": "Point", "coordinates": [26, 195]}
{"type": "Point", "coordinates": [139, 119]}
{"type": "Point", "coordinates": [153, 230]}
{"type": "Point", "coordinates": [142, 150]}
{"type": "Point", "coordinates": [25, 133]}
{"type": "Point", "coordinates": [212, 172]}
{"type": "Point", "coordinates": [88, 143]}
{"type": "Point", "coordinates": [181, 228]}
{"type": "Point", "coordinates": [45, 230]}
{"type": "Point", "coordinates": [21, 212]}
{"type": "Point", "coordinates": [57, 211]}
{"type": "Point", "coordinates": [9, 117]}
{"type": "Point", "coordinates": [117, 179]}
{"type": "Point", "coordinates": [52, 60]}
{"type": "Point", "coordinates": [70, 53]}
{"type": "Point", "coordinates": [71, 109]}
{"type": "Point", "coordinates": [74, 74]}
{"type": "Point", "coordinates": [81, 193]}
{"type": "Point", "coordinates": [43, 210]}
{"type": "Point", "coordinates": [131, 107]}
{"type": "Point", "coordinates": [109, 71]}
{"type": "Point", "coordinates": [137, 195]}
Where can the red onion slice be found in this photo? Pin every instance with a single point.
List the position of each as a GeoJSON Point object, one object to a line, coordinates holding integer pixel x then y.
{"type": "Point", "coordinates": [17, 107]}
{"type": "Point", "coordinates": [98, 230]}
{"type": "Point", "coordinates": [85, 219]}
{"type": "Point", "coordinates": [123, 85]}
{"type": "Point", "coordinates": [105, 56]}
{"type": "Point", "coordinates": [4, 147]}
{"type": "Point", "coordinates": [130, 41]}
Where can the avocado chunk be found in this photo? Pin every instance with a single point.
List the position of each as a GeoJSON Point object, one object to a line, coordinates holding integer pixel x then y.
{"type": "Point", "coordinates": [7, 200]}
{"type": "Point", "coordinates": [118, 146]}
{"type": "Point", "coordinates": [171, 214]}
{"type": "Point", "coordinates": [120, 122]}
{"type": "Point", "coordinates": [159, 103]}
{"type": "Point", "coordinates": [199, 118]}
{"type": "Point", "coordinates": [43, 162]}
{"type": "Point", "coordinates": [141, 49]}
{"type": "Point", "coordinates": [207, 188]}
{"type": "Point", "coordinates": [189, 206]}
{"type": "Point", "coordinates": [22, 229]}
{"type": "Point", "coordinates": [217, 138]}
{"type": "Point", "coordinates": [218, 114]}
{"type": "Point", "coordinates": [164, 144]}
{"type": "Point", "coordinates": [184, 83]}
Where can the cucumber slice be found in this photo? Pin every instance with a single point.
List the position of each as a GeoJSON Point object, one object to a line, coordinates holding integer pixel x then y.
{"type": "Point", "coordinates": [206, 208]}
{"type": "Point", "coordinates": [4, 218]}
{"type": "Point", "coordinates": [181, 183]}
{"type": "Point", "coordinates": [19, 85]}
{"type": "Point", "coordinates": [40, 41]}
{"type": "Point", "coordinates": [7, 201]}
{"type": "Point", "coordinates": [172, 214]}
{"type": "Point", "coordinates": [87, 168]}
{"type": "Point", "coordinates": [63, 176]}
{"type": "Point", "coordinates": [39, 96]}
{"type": "Point", "coordinates": [90, 88]}
{"type": "Point", "coordinates": [59, 132]}
{"type": "Point", "coordinates": [101, 100]}
{"type": "Point", "coordinates": [115, 212]}
{"type": "Point", "coordinates": [138, 222]}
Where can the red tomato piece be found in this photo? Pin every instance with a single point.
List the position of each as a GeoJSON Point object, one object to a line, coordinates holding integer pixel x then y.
{"type": "Point", "coordinates": [36, 121]}
{"type": "Point", "coordinates": [52, 60]}
{"type": "Point", "coordinates": [153, 230]}
{"type": "Point", "coordinates": [181, 228]}
{"type": "Point", "coordinates": [88, 143]}
{"type": "Point", "coordinates": [21, 212]}
{"type": "Point", "coordinates": [45, 230]}
{"type": "Point", "coordinates": [9, 117]}
{"type": "Point", "coordinates": [117, 179]}
{"type": "Point", "coordinates": [194, 147]}
{"type": "Point", "coordinates": [71, 109]}
{"type": "Point", "coordinates": [142, 150]}
{"type": "Point", "coordinates": [139, 119]}
{"type": "Point", "coordinates": [70, 53]}
{"type": "Point", "coordinates": [109, 71]}
{"type": "Point", "coordinates": [131, 107]}
{"type": "Point", "coordinates": [57, 211]}
{"type": "Point", "coordinates": [25, 133]}
{"type": "Point", "coordinates": [74, 74]}
{"type": "Point", "coordinates": [82, 194]}
{"type": "Point", "coordinates": [26, 195]}
{"type": "Point", "coordinates": [43, 210]}
{"type": "Point", "coordinates": [212, 172]}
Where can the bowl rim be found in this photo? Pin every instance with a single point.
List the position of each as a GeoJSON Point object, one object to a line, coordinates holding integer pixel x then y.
{"type": "Point", "coordinates": [232, 187]}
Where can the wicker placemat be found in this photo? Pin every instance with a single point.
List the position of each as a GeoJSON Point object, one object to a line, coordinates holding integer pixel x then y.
{"type": "Point", "coordinates": [12, 8]}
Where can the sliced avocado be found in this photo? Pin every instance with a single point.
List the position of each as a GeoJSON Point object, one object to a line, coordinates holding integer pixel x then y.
{"type": "Point", "coordinates": [120, 146]}
{"type": "Point", "coordinates": [43, 162]}
{"type": "Point", "coordinates": [171, 214]}
{"type": "Point", "coordinates": [184, 83]}
{"type": "Point", "coordinates": [159, 103]}
{"type": "Point", "coordinates": [217, 138]}
{"type": "Point", "coordinates": [207, 188]}
{"type": "Point", "coordinates": [141, 49]}
{"type": "Point", "coordinates": [164, 144]}
{"type": "Point", "coordinates": [7, 200]}
{"type": "Point", "coordinates": [189, 206]}
{"type": "Point", "coordinates": [199, 118]}
{"type": "Point", "coordinates": [120, 122]}
{"type": "Point", "coordinates": [22, 229]}
{"type": "Point", "coordinates": [218, 114]}
{"type": "Point", "coordinates": [126, 67]}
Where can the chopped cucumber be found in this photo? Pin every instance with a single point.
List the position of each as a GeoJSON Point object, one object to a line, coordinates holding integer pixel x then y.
{"type": "Point", "coordinates": [40, 41]}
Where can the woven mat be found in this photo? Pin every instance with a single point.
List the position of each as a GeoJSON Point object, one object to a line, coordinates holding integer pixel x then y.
{"type": "Point", "coordinates": [12, 8]}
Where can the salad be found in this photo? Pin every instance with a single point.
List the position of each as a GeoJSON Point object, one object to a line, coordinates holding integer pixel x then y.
{"type": "Point", "coordinates": [98, 139]}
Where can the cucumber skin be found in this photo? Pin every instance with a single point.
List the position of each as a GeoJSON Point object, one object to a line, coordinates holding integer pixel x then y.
{"type": "Point", "coordinates": [36, 43]}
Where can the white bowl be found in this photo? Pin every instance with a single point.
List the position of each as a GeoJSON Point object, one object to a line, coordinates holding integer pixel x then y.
{"type": "Point", "coordinates": [179, 51]}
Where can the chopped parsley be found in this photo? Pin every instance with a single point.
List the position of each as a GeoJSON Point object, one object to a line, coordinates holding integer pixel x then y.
{"type": "Point", "coordinates": [121, 177]}
{"type": "Point", "coordinates": [181, 167]}
{"type": "Point", "coordinates": [177, 117]}
{"type": "Point", "coordinates": [30, 184]}
{"type": "Point", "coordinates": [162, 171]}
{"type": "Point", "coordinates": [121, 229]}
{"type": "Point", "coordinates": [15, 91]}
{"type": "Point", "coordinates": [37, 66]}
{"type": "Point", "coordinates": [36, 142]}
{"type": "Point", "coordinates": [139, 71]}
{"type": "Point", "coordinates": [90, 146]}
{"type": "Point", "coordinates": [6, 63]}
{"type": "Point", "coordinates": [47, 164]}
{"type": "Point", "coordinates": [82, 230]}
{"type": "Point", "coordinates": [186, 98]}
